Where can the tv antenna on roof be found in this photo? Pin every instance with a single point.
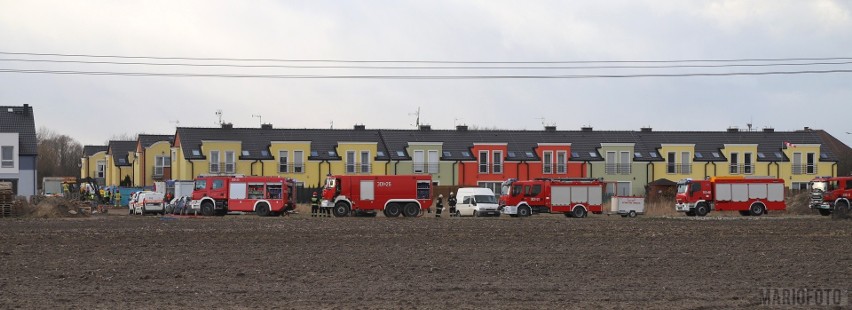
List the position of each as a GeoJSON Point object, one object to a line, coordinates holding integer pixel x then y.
{"type": "Point", "coordinates": [219, 114]}
{"type": "Point", "coordinates": [456, 121]}
{"type": "Point", "coordinates": [259, 118]}
{"type": "Point", "coordinates": [417, 121]}
{"type": "Point", "coordinates": [331, 125]}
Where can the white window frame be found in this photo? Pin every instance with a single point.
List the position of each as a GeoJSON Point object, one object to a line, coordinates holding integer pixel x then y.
{"type": "Point", "coordinates": [215, 163]}
{"type": "Point", "coordinates": [748, 166]}
{"type": "Point", "coordinates": [547, 165]}
{"type": "Point", "coordinates": [10, 161]}
{"type": "Point", "coordinates": [561, 164]}
{"type": "Point", "coordinates": [483, 167]}
{"type": "Point", "coordinates": [685, 162]}
{"type": "Point", "coordinates": [433, 166]}
{"type": "Point", "coordinates": [810, 163]}
{"type": "Point", "coordinates": [232, 162]}
{"type": "Point", "coordinates": [160, 163]}
{"type": "Point", "coordinates": [734, 162]}
{"type": "Point", "coordinates": [611, 166]}
{"type": "Point", "coordinates": [671, 162]}
{"type": "Point", "coordinates": [364, 162]}
{"type": "Point", "coordinates": [797, 164]}
{"type": "Point", "coordinates": [624, 166]}
{"type": "Point", "coordinates": [298, 161]}
{"type": "Point", "coordinates": [497, 162]}
{"type": "Point", "coordinates": [100, 169]}
{"type": "Point", "coordinates": [350, 161]}
{"type": "Point", "coordinates": [419, 163]}
{"type": "Point", "coordinates": [283, 161]}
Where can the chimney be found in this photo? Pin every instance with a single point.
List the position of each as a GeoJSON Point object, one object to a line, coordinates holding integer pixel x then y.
{"type": "Point", "coordinates": [461, 127]}
{"type": "Point", "coordinates": [550, 128]}
{"type": "Point", "coordinates": [425, 127]}
{"type": "Point", "coordinates": [227, 125]}
{"type": "Point", "coordinates": [807, 128]}
{"type": "Point", "coordinates": [265, 126]}
{"type": "Point", "coordinates": [645, 129]}
{"type": "Point", "coordinates": [360, 127]}
{"type": "Point", "coordinates": [733, 129]}
{"type": "Point", "coordinates": [768, 129]}
{"type": "Point", "coordinates": [586, 128]}
{"type": "Point", "coordinates": [26, 109]}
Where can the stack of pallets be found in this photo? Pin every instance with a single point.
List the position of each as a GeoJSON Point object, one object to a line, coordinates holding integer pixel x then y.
{"type": "Point", "coordinates": [6, 200]}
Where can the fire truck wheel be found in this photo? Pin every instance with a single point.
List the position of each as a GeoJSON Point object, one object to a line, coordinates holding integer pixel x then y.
{"type": "Point", "coordinates": [262, 209]}
{"type": "Point", "coordinates": [701, 210]}
{"type": "Point", "coordinates": [745, 213]}
{"type": "Point", "coordinates": [841, 210]}
{"type": "Point", "coordinates": [824, 212]}
{"type": "Point", "coordinates": [757, 209]}
{"type": "Point", "coordinates": [392, 210]}
{"type": "Point", "coordinates": [207, 209]}
{"type": "Point", "coordinates": [410, 210]}
{"type": "Point", "coordinates": [579, 212]}
{"type": "Point", "coordinates": [341, 209]}
{"type": "Point", "coordinates": [524, 211]}
{"type": "Point", "coordinates": [632, 214]}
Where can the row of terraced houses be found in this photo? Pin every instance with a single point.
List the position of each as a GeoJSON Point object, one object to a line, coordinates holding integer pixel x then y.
{"type": "Point", "coordinates": [629, 159]}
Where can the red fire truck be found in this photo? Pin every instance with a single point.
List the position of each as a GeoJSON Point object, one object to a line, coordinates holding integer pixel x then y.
{"type": "Point", "coordinates": [218, 195]}
{"type": "Point", "coordinates": [365, 194]}
{"type": "Point", "coordinates": [572, 197]}
{"type": "Point", "coordinates": [748, 195]}
{"type": "Point", "coordinates": [831, 195]}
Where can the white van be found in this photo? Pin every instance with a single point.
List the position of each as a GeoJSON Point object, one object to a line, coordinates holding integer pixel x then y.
{"type": "Point", "coordinates": [476, 201]}
{"type": "Point", "coordinates": [149, 202]}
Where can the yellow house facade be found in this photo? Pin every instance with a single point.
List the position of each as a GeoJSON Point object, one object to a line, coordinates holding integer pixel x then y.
{"type": "Point", "coordinates": [677, 163]}
{"type": "Point", "coordinates": [94, 162]}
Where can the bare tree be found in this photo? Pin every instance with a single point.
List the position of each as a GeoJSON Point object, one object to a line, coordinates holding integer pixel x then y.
{"type": "Point", "coordinates": [58, 155]}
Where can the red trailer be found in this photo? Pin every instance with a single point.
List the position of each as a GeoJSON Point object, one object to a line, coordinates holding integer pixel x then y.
{"type": "Point", "coordinates": [218, 195]}
{"type": "Point", "coordinates": [572, 197]}
{"type": "Point", "coordinates": [748, 195]}
{"type": "Point", "coordinates": [408, 195]}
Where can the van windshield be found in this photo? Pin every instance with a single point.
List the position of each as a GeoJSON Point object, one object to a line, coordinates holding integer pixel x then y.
{"type": "Point", "coordinates": [485, 199]}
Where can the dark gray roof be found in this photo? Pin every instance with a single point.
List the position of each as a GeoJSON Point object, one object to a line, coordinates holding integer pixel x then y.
{"type": "Point", "coordinates": [90, 150]}
{"type": "Point", "coordinates": [148, 140]}
{"type": "Point", "coordinates": [20, 120]}
{"type": "Point", "coordinates": [256, 141]}
{"type": "Point", "coordinates": [708, 144]}
{"type": "Point", "coordinates": [119, 151]}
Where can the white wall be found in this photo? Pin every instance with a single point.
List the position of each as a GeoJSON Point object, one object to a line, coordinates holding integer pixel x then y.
{"type": "Point", "coordinates": [11, 139]}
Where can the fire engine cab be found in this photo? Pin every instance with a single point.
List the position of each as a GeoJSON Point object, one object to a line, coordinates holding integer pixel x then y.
{"type": "Point", "coordinates": [218, 195]}
{"type": "Point", "coordinates": [572, 197]}
{"type": "Point", "coordinates": [749, 195]}
{"type": "Point", "coordinates": [831, 195]}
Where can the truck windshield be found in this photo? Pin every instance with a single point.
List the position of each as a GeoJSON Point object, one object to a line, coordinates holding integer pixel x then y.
{"type": "Point", "coordinates": [485, 199]}
{"type": "Point", "coordinates": [329, 183]}
{"type": "Point", "coordinates": [820, 185]}
{"type": "Point", "coordinates": [200, 184]}
{"type": "Point", "coordinates": [682, 187]}
{"type": "Point", "coordinates": [504, 189]}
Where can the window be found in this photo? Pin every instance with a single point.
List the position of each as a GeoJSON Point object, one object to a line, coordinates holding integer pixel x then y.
{"type": "Point", "coordinates": [529, 154]}
{"type": "Point", "coordinates": [332, 154]}
{"type": "Point", "coordinates": [419, 162]}
{"type": "Point", "coordinates": [298, 161]}
{"type": "Point", "coordinates": [536, 189]}
{"type": "Point", "coordinates": [200, 184]}
{"type": "Point", "coordinates": [811, 161]}
{"type": "Point", "coordinates": [561, 161]}
{"type": "Point", "coordinates": [314, 153]}
{"type": "Point", "coordinates": [245, 153]}
{"type": "Point", "coordinates": [465, 153]}
{"type": "Point", "coordinates": [218, 184]}
{"type": "Point", "coordinates": [575, 154]}
{"type": "Point", "coordinates": [547, 162]}
{"type": "Point", "coordinates": [215, 165]}
{"type": "Point", "coordinates": [748, 168]}
{"type": "Point", "coordinates": [380, 153]}
{"type": "Point", "coordinates": [637, 155]}
{"type": "Point", "coordinates": [400, 153]}
{"type": "Point", "coordinates": [593, 154]}
{"type": "Point", "coordinates": [447, 154]}
{"type": "Point", "coordinates": [264, 153]}
{"type": "Point", "coordinates": [761, 155]}
{"type": "Point", "coordinates": [670, 163]}
{"type": "Point", "coordinates": [617, 163]}
{"type": "Point", "coordinates": [715, 154]}
{"type": "Point", "coordinates": [365, 162]}
{"type": "Point", "coordinates": [433, 162]}
{"type": "Point", "coordinates": [624, 163]}
{"type": "Point", "coordinates": [797, 163]}
{"type": "Point", "coordinates": [610, 163]}
{"type": "Point", "coordinates": [350, 161]}
{"type": "Point", "coordinates": [160, 163]}
{"type": "Point", "coordinates": [511, 154]}
{"type": "Point", "coordinates": [735, 163]}
{"type": "Point", "coordinates": [698, 155]}
{"type": "Point", "coordinates": [483, 161]}
{"type": "Point", "coordinates": [652, 154]}
{"type": "Point", "coordinates": [100, 171]}
{"type": "Point", "coordinates": [196, 153]}
{"type": "Point", "coordinates": [497, 162]}
{"type": "Point", "coordinates": [283, 161]}
{"type": "Point", "coordinates": [799, 186]}
{"type": "Point", "coordinates": [229, 162]}
{"type": "Point", "coordinates": [494, 186]}
{"type": "Point", "coordinates": [7, 158]}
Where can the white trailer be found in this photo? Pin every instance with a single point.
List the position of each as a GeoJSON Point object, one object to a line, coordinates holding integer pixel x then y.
{"type": "Point", "coordinates": [627, 206]}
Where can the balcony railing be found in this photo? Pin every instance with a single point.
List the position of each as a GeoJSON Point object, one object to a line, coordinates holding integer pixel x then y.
{"type": "Point", "coordinates": [427, 168]}
{"type": "Point", "coordinates": [291, 167]}
{"type": "Point", "coordinates": [561, 168]}
{"type": "Point", "coordinates": [618, 169]}
{"type": "Point", "coordinates": [497, 169]}
{"type": "Point", "coordinates": [805, 169]}
{"type": "Point", "coordinates": [222, 167]}
{"type": "Point", "coordinates": [547, 168]}
{"type": "Point", "coordinates": [741, 169]}
{"type": "Point", "coordinates": [358, 168]}
{"type": "Point", "coordinates": [673, 168]}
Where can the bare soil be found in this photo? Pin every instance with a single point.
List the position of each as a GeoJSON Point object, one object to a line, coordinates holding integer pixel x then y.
{"type": "Point", "coordinates": [117, 261]}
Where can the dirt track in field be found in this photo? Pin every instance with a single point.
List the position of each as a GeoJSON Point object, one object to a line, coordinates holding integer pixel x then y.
{"type": "Point", "coordinates": [546, 261]}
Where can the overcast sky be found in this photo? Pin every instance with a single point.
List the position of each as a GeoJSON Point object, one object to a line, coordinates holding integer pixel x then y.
{"type": "Point", "coordinates": [94, 108]}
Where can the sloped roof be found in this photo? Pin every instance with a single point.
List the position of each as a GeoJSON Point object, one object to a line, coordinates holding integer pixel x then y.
{"type": "Point", "coordinates": [89, 150]}
{"type": "Point", "coordinates": [119, 151]}
{"type": "Point", "coordinates": [20, 120]}
{"type": "Point", "coordinates": [148, 140]}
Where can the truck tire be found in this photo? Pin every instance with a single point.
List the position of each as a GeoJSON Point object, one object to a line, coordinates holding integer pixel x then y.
{"type": "Point", "coordinates": [579, 212]}
{"type": "Point", "coordinates": [143, 211]}
{"type": "Point", "coordinates": [207, 208]}
{"type": "Point", "coordinates": [841, 210]}
{"type": "Point", "coordinates": [701, 209]}
{"type": "Point", "coordinates": [392, 210]}
{"type": "Point", "coordinates": [524, 211]}
{"type": "Point", "coordinates": [824, 212]}
{"type": "Point", "coordinates": [631, 214]}
{"type": "Point", "coordinates": [757, 209]}
{"type": "Point", "coordinates": [262, 209]}
{"type": "Point", "coordinates": [341, 209]}
{"type": "Point", "coordinates": [410, 210]}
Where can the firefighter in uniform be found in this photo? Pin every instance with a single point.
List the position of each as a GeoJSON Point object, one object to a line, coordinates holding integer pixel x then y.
{"type": "Point", "coordinates": [439, 205]}
{"type": "Point", "coordinates": [452, 203]}
{"type": "Point", "coordinates": [116, 199]}
{"type": "Point", "coordinates": [107, 197]}
{"type": "Point", "coordinates": [314, 205]}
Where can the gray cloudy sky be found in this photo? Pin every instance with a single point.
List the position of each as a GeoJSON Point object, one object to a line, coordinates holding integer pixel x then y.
{"type": "Point", "coordinates": [94, 108]}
